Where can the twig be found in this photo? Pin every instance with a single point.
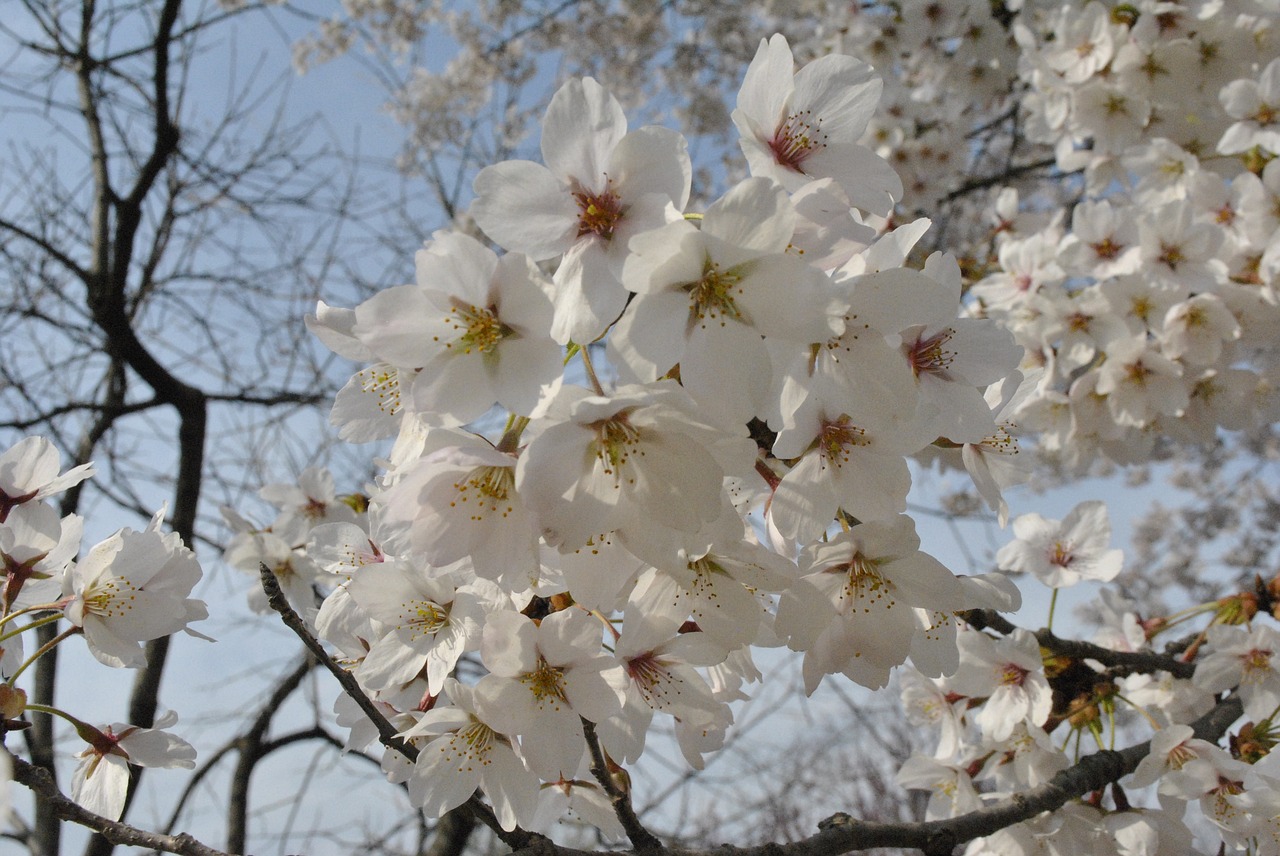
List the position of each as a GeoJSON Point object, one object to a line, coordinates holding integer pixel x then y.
{"type": "Point", "coordinates": [516, 839]}
{"type": "Point", "coordinates": [1137, 660]}
{"type": "Point", "coordinates": [643, 839]}
{"type": "Point", "coordinates": [39, 781]}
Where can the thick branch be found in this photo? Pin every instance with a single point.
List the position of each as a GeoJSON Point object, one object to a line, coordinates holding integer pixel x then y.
{"type": "Point", "coordinates": [842, 834]}
{"type": "Point", "coordinates": [252, 750]}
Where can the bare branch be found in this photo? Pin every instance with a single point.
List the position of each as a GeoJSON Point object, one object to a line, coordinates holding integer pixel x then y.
{"type": "Point", "coordinates": [39, 781]}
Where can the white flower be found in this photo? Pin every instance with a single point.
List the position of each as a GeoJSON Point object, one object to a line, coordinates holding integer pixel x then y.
{"type": "Point", "coordinates": [29, 472]}
{"type": "Point", "coordinates": [1061, 554]}
{"type": "Point", "coordinates": [1196, 329]}
{"type": "Point", "coordinates": [1010, 674]}
{"type": "Point", "coordinates": [475, 326]}
{"type": "Point", "coordinates": [294, 570]}
{"type": "Point", "coordinates": [580, 797]}
{"type": "Point", "coordinates": [1256, 106]}
{"type": "Point", "coordinates": [458, 501]}
{"type": "Point", "coordinates": [369, 406]}
{"type": "Point", "coordinates": [543, 677]}
{"type": "Point", "coordinates": [659, 662]}
{"type": "Point", "coordinates": [132, 588]}
{"type": "Point", "coordinates": [431, 624]}
{"type": "Point", "coordinates": [926, 704]}
{"type": "Point", "coordinates": [954, 360]}
{"type": "Point", "coordinates": [994, 463]}
{"type": "Point", "coordinates": [310, 502]}
{"type": "Point", "coordinates": [719, 585]}
{"type": "Point", "coordinates": [1139, 383]}
{"type": "Point", "coordinates": [952, 791]}
{"type": "Point", "coordinates": [100, 782]}
{"type": "Point", "coordinates": [639, 462]}
{"type": "Point", "coordinates": [1103, 241]}
{"type": "Point", "coordinates": [1246, 659]}
{"type": "Point", "coordinates": [706, 297]}
{"type": "Point", "coordinates": [852, 611]}
{"type": "Point", "coordinates": [795, 127]}
{"type": "Point", "coordinates": [35, 548]}
{"type": "Point", "coordinates": [841, 465]}
{"type": "Point", "coordinates": [1083, 42]}
{"type": "Point", "coordinates": [466, 753]}
{"type": "Point", "coordinates": [600, 187]}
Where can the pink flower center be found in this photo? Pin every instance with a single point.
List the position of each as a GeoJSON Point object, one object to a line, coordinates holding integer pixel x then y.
{"type": "Point", "coordinates": [1106, 248]}
{"type": "Point", "coordinates": [1011, 674]}
{"type": "Point", "coordinates": [1061, 555]}
{"type": "Point", "coordinates": [598, 213]}
{"type": "Point", "coordinates": [1171, 255]}
{"type": "Point", "coordinates": [930, 356]}
{"type": "Point", "coordinates": [649, 674]}
{"type": "Point", "coordinates": [1257, 660]}
{"type": "Point", "coordinates": [796, 139]}
{"type": "Point", "coordinates": [837, 437]}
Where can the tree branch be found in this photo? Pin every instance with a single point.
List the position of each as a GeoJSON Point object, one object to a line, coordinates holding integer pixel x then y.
{"type": "Point", "coordinates": [841, 834]}
{"type": "Point", "coordinates": [1148, 661]}
{"type": "Point", "coordinates": [643, 839]}
{"type": "Point", "coordinates": [40, 782]}
{"type": "Point", "coordinates": [516, 839]}
{"type": "Point", "coordinates": [252, 749]}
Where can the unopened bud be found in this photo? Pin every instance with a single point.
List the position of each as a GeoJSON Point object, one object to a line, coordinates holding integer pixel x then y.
{"type": "Point", "coordinates": [1085, 711]}
{"type": "Point", "coordinates": [1237, 608]}
{"type": "Point", "coordinates": [13, 702]}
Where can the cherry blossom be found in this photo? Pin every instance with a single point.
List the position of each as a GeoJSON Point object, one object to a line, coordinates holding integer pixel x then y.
{"type": "Point", "coordinates": [1010, 674]}
{"type": "Point", "coordinates": [637, 461]}
{"type": "Point", "coordinates": [29, 472]}
{"type": "Point", "coordinates": [1063, 553]}
{"type": "Point", "coordinates": [473, 330]}
{"type": "Point", "coordinates": [799, 126]}
{"type": "Point", "coordinates": [132, 588]}
{"type": "Point", "coordinates": [706, 297]}
{"type": "Point", "coordinates": [599, 188]}
{"type": "Point", "coordinates": [100, 782]}
{"type": "Point", "coordinates": [851, 610]}
{"type": "Point", "coordinates": [542, 679]}
{"type": "Point", "coordinates": [464, 753]}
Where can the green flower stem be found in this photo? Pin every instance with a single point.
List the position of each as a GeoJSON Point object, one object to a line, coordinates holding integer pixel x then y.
{"type": "Point", "coordinates": [48, 619]}
{"type": "Point", "coordinates": [48, 646]}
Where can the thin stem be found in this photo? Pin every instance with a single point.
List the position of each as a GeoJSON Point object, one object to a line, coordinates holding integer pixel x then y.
{"type": "Point", "coordinates": [591, 371]}
{"type": "Point", "coordinates": [39, 622]}
{"type": "Point", "coordinates": [39, 607]}
{"type": "Point", "coordinates": [44, 649]}
{"type": "Point", "coordinates": [511, 436]}
{"type": "Point", "coordinates": [1053, 603]}
{"type": "Point", "coordinates": [79, 724]}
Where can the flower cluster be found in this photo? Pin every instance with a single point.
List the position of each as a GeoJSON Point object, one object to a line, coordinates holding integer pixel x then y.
{"type": "Point", "coordinates": [738, 478]}
{"type": "Point", "coordinates": [1154, 308]}
{"type": "Point", "coordinates": [772, 356]}
{"type": "Point", "coordinates": [129, 589]}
